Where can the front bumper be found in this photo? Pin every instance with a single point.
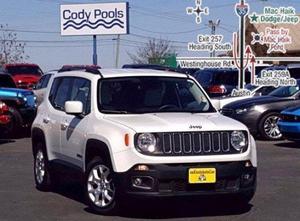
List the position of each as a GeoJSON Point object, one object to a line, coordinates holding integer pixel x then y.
{"type": "Point", "coordinates": [172, 180]}
{"type": "Point", "coordinates": [290, 130]}
{"type": "Point", "coordinates": [28, 114]}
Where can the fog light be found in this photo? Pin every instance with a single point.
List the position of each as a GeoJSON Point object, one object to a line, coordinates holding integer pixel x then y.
{"type": "Point", "coordinates": [246, 176]}
{"type": "Point", "coordinates": [143, 182]}
{"type": "Point", "coordinates": [141, 168]}
{"type": "Point", "coordinates": [248, 164]}
{"type": "Point", "coordinates": [137, 182]}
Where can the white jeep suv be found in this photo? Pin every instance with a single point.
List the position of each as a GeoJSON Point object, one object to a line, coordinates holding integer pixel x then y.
{"type": "Point", "coordinates": [140, 133]}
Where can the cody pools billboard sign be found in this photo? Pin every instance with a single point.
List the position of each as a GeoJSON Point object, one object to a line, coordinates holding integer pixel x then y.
{"type": "Point", "coordinates": [94, 19]}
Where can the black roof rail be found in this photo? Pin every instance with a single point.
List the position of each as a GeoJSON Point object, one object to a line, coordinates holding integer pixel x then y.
{"type": "Point", "coordinates": [91, 70]}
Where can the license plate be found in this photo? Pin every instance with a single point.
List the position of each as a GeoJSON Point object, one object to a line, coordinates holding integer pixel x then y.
{"type": "Point", "coordinates": [202, 175]}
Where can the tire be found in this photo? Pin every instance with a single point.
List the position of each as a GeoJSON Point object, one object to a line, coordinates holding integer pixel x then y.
{"type": "Point", "coordinates": [99, 187]}
{"type": "Point", "coordinates": [268, 127]}
{"type": "Point", "coordinates": [41, 169]}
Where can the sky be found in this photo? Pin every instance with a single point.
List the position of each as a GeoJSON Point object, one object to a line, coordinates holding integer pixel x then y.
{"type": "Point", "coordinates": [37, 23]}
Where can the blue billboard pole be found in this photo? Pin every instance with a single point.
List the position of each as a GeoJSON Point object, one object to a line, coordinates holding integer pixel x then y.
{"type": "Point", "coordinates": [95, 50]}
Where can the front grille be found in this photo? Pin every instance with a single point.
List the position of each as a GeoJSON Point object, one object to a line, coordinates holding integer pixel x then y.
{"type": "Point", "coordinates": [290, 118]}
{"type": "Point", "coordinates": [227, 112]}
{"type": "Point", "coordinates": [31, 100]}
{"type": "Point", "coordinates": [196, 143]}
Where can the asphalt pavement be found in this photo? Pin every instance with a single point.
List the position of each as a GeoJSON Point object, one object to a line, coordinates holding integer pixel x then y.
{"type": "Point", "coordinates": [277, 196]}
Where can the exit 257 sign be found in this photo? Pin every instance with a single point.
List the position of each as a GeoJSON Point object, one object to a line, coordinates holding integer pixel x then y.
{"type": "Point", "coordinates": [94, 19]}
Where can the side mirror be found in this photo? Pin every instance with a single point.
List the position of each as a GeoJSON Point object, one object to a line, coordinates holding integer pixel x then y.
{"type": "Point", "coordinates": [34, 87]}
{"type": "Point", "coordinates": [74, 107]}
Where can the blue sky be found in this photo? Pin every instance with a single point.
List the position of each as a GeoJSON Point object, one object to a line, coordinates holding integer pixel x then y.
{"type": "Point", "coordinates": [37, 23]}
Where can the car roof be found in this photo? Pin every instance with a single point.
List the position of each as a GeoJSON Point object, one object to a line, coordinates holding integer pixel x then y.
{"type": "Point", "coordinates": [20, 64]}
{"type": "Point", "coordinates": [114, 73]}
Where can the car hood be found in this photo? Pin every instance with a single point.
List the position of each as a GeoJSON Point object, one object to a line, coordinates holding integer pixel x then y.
{"type": "Point", "coordinates": [256, 101]}
{"type": "Point", "coordinates": [14, 92]}
{"type": "Point", "coordinates": [292, 111]}
{"type": "Point", "coordinates": [177, 122]}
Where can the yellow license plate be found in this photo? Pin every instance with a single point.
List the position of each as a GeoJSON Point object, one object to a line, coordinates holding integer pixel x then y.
{"type": "Point", "coordinates": [202, 175]}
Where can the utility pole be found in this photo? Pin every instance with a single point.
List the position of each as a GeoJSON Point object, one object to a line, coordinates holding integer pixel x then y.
{"type": "Point", "coordinates": [117, 51]}
{"type": "Point", "coordinates": [213, 25]}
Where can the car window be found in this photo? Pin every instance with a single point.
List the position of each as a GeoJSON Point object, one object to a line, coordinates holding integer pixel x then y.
{"type": "Point", "coordinates": [46, 80]}
{"type": "Point", "coordinates": [295, 72]}
{"type": "Point", "coordinates": [265, 90]}
{"type": "Point", "coordinates": [81, 92]}
{"type": "Point", "coordinates": [151, 95]}
{"type": "Point", "coordinates": [6, 81]}
{"type": "Point", "coordinates": [204, 77]}
{"type": "Point", "coordinates": [40, 83]}
{"type": "Point", "coordinates": [26, 69]}
{"type": "Point", "coordinates": [60, 92]}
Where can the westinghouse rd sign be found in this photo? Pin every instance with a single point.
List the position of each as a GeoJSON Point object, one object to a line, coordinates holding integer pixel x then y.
{"type": "Point", "coordinates": [94, 19]}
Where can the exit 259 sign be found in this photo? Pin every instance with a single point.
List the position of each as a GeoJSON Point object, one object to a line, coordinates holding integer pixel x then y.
{"type": "Point", "coordinates": [94, 19]}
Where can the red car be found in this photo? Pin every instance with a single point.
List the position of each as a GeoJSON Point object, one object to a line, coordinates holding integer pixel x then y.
{"type": "Point", "coordinates": [4, 116]}
{"type": "Point", "coordinates": [24, 75]}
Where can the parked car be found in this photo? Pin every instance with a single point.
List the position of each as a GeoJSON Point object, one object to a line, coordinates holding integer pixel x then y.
{"type": "Point", "coordinates": [21, 102]}
{"type": "Point", "coordinates": [140, 133]}
{"type": "Point", "coordinates": [40, 88]}
{"type": "Point", "coordinates": [294, 69]}
{"type": "Point", "coordinates": [5, 118]}
{"type": "Point", "coordinates": [289, 124]}
{"type": "Point", "coordinates": [24, 75]}
{"type": "Point", "coordinates": [261, 114]}
{"type": "Point", "coordinates": [219, 82]}
{"type": "Point", "coordinates": [219, 103]}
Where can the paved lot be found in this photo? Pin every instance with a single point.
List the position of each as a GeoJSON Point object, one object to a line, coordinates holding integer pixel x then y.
{"type": "Point", "coordinates": [277, 197]}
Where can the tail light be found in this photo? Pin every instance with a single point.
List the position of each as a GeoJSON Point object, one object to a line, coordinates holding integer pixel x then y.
{"type": "Point", "coordinates": [3, 108]}
{"type": "Point", "coordinates": [217, 89]}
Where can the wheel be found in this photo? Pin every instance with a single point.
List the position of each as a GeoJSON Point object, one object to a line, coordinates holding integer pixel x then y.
{"type": "Point", "coordinates": [100, 188]}
{"type": "Point", "coordinates": [41, 169]}
{"type": "Point", "coordinates": [268, 127]}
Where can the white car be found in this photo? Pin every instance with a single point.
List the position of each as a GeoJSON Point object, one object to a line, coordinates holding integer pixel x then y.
{"type": "Point", "coordinates": [220, 102]}
{"type": "Point", "coordinates": [141, 133]}
{"type": "Point", "coordinates": [40, 88]}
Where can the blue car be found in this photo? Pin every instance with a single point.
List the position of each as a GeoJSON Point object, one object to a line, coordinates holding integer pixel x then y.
{"type": "Point", "coordinates": [21, 103]}
{"type": "Point", "coordinates": [289, 125]}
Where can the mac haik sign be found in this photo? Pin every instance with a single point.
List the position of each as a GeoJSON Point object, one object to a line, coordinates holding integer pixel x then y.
{"type": "Point", "coordinates": [94, 19]}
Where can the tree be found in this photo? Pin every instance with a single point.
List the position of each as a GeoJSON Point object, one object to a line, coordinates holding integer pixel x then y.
{"type": "Point", "coordinates": [152, 52]}
{"type": "Point", "coordinates": [11, 50]}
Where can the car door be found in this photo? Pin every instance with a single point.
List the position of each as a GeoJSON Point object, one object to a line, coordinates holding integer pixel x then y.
{"type": "Point", "coordinates": [52, 118]}
{"type": "Point", "coordinates": [73, 128]}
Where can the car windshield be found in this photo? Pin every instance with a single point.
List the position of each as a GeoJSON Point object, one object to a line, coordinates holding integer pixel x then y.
{"type": "Point", "coordinates": [285, 91]}
{"type": "Point", "coordinates": [18, 70]}
{"type": "Point", "coordinates": [151, 95]}
{"type": "Point", "coordinates": [6, 81]}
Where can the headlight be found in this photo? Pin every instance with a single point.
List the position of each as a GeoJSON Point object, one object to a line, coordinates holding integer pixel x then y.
{"type": "Point", "coordinates": [146, 142]}
{"type": "Point", "coordinates": [238, 140]}
{"type": "Point", "coordinates": [241, 111]}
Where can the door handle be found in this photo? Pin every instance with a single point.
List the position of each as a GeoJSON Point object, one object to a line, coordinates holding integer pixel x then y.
{"type": "Point", "coordinates": [46, 120]}
{"type": "Point", "coordinates": [64, 126]}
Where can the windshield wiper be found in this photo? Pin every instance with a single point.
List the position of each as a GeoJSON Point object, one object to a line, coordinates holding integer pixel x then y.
{"type": "Point", "coordinates": [114, 112]}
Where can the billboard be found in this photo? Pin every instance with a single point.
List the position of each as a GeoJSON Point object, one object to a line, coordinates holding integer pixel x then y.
{"type": "Point", "coordinates": [94, 19]}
